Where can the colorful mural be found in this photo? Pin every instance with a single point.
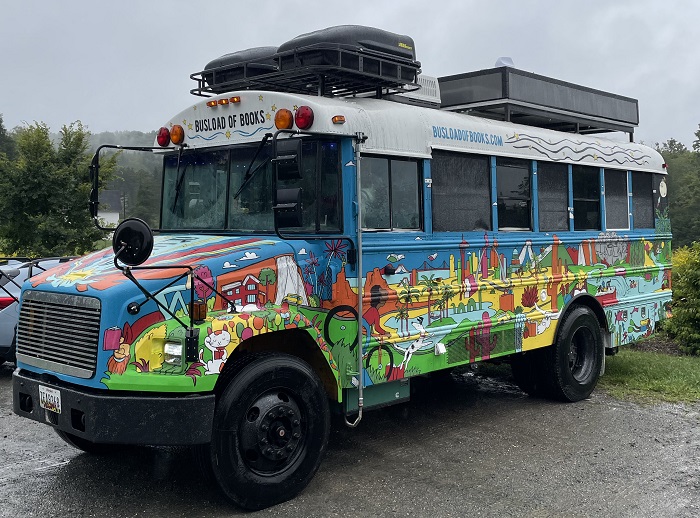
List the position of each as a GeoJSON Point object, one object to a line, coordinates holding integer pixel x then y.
{"type": "Point", "coordinates": [449, 301]}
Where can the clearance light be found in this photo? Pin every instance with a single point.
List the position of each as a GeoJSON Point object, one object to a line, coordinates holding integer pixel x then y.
{"type": "Point", "coordinates": [222, 101]}
{"type": "Point", "coordinates": [284, 119]}
{"type": "Point", "coordinates": [304, 117]}
{"type": "Point", "coordinates": [211, 104]}
{"type": "Point", "coordinates": [177, 134]}
{"type": "Point", "coordinates": [235, 99]}
{"type": "Point", "coordinates": [163, 137]}
{"type": "Point", "coordinates": [338, 119]}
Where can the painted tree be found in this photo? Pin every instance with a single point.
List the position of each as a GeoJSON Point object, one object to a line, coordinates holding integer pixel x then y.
{"type": "Point", "coordinates": [429, 284]}
{"type": "Point", "coordinates": [407, 296]}
{"type": "Point", "coordinates": [267, 277]}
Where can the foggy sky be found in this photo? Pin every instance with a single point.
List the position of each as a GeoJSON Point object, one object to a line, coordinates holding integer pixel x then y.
{"type": "Point", "coordinates": [126, 65]}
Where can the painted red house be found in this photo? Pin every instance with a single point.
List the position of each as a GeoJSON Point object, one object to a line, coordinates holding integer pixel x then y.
{"type": "Point", "coordinates": [241, 293]}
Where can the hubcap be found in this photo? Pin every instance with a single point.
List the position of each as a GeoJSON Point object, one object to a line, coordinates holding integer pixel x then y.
{"type": "Point", "coordinates": [271, 433]}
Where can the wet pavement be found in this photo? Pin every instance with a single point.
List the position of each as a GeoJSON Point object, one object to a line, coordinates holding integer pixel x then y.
{"type": "Point", "coordinates": [474, 447]}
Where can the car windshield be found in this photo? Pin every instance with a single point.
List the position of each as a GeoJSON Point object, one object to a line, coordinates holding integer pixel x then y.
{"type": "Point", "coordinates": [203, 192]}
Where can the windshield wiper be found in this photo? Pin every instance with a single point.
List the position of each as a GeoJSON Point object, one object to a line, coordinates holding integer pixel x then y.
{"type": "Point", "coordinates": [180, 178]}
{"type": "Point", "coordinates": [250, 174]}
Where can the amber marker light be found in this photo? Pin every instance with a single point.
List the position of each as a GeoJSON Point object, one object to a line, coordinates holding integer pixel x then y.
{"type": "Point", "coordinates": [338, 119]}
{"type": "Point", "coordinates": [284, 119]}
{"type": "Point", "coordinates": [163, 137]}
{"type": "Point", "coordinates": [235, 99]}
{"type": "Point", "coordinates": [211, 104]}
{"type": "Point", "coordinates": [177, 134]}
{"type": "Point", "coordinates": [222, 101]}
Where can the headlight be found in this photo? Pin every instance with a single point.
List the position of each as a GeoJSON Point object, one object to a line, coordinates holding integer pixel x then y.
{"type": "Point", "coordinates": [172, 353]}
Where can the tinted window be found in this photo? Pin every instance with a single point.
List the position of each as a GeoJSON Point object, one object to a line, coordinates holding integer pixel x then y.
{"type": "Point", "coordinates": [616, 200]}
{"type": "Point", "coordinates": [642, 200]}
{"type": "Point", "coordinates": [461, 192]}
{"type": "Point", "coordinates": [586, 190]}
{"type": "Point", "coordinates": [513, 188]}
{"type": "Point", "coordinates": [390, 194]}
{"type": "Point", "coordinates": [553, 196]}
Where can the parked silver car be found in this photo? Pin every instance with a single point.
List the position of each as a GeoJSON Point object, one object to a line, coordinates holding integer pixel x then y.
{"type": "Point", "coordinates": [13, 273]}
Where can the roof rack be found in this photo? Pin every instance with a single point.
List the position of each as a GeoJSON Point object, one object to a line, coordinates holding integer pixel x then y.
{"type": "Point", "coordinates": [338, 61]}
{"type": "Point", "coordinates": [506, 93]}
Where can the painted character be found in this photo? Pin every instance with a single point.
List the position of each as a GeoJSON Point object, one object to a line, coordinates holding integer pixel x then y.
{"type": "Point", "coordinates": [371, 317]}
{"type": "Point", "coordinates": [416, 344]}
{"type": "Point", "coordinates": [216, 342]}
{"type": "Point", "coordinates": [118, 362]}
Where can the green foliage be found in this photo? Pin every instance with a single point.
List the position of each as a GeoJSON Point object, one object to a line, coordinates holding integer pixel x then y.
{"type": "Point", "coordinates": [684, 326]}
{"type": "Point", "coordinates": [44, 193]}
{"type": "Point", "coordinates": [683, 190]}
{"type": "Point", "coordinates": [652, 377]}
{"type": "Point", "coordinates": [7, 143]}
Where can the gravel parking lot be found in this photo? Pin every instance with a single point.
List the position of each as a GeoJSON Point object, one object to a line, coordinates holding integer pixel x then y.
{"type": "Point", "coordinates": [475, 447]}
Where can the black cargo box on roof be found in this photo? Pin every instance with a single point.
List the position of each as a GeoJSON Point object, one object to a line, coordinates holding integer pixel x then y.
{"type": "Point", "coordinates": [343, 60]}
{"type": "Point", "coordinates": [244, 63]}
{"type": "Point", "coordinates": [506, 93]}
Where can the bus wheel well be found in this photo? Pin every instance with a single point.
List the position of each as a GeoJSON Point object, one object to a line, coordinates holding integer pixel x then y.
{"type": "Point", "coordinates": [592, 304]}
{"type": "Point", "coordinates": [295, 342]}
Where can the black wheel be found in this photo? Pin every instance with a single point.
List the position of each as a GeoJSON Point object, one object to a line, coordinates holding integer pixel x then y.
{"type": "Point", "coordinates": [271, 428]}
{"type": "Point", "coordinates": [380, 358]}
{"type": "Point", "coordinates": [573, 364]}
{"type": "Point", "coordinates": [88, 446]}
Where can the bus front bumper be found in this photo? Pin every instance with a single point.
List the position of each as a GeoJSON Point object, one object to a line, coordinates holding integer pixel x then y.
{"type": "Point", "coordinates": [122, 418]}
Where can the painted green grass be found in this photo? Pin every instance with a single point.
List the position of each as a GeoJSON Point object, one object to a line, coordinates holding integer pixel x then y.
{"type": "Point", "coordinates": [651, 377]}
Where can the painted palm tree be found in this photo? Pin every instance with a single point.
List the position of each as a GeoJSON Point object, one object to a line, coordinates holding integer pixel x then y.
{"type": "Point", "coordinates": [407, 296]}
{"type": "Point", "coordinates": [402, 315]}
{"type": "Point", "coordinates": [447, 294]}
{"type": "Point", "coordinates": [429, 284]}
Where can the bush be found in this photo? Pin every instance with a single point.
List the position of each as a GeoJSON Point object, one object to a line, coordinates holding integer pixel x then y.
{"type": "Point", "coordinates": [685, 324]}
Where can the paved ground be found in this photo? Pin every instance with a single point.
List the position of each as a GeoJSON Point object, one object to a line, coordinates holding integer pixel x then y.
{"type": "Point", "coordinates": [481, 448]}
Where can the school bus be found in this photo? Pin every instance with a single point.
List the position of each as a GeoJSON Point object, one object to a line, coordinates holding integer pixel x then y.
{"type": "Point", "coordinates": [333, 224]}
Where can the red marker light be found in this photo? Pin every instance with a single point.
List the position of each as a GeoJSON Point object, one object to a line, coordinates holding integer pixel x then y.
{"type": "Point", "coordinates": [304, 117]}
{"type": "Point", "coordinates": [163, 137]}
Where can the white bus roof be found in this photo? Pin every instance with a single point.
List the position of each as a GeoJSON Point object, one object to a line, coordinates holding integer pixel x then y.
{"type": "Point", "coordinates": [405, 130]}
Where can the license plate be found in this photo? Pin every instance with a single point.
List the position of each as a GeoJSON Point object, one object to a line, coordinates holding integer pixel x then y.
{"type": "Point", "coordinates": [50, 399]}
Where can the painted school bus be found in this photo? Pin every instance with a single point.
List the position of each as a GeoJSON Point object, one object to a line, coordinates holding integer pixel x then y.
{"type": "Point", "coordinates": [316, 252]}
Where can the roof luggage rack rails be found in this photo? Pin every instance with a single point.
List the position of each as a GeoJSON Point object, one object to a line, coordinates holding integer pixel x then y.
{"type": "Point", "coordinates": [323, 69]}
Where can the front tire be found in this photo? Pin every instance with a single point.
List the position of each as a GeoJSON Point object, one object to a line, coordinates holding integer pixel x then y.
{"type": "Point", "coordinates": [574, 363]}
{"type": "Point", "coordinates": [271, 428]}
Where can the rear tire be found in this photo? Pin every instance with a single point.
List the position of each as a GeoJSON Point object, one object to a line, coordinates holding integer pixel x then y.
{"type": "Point", "coordinates": [271, 428]}
{"type": "Point", "coordinates": [573, 364]}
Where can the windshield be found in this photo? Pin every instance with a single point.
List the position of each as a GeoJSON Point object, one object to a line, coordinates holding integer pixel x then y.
{"type": "Point", "coordinates": [199, 195]}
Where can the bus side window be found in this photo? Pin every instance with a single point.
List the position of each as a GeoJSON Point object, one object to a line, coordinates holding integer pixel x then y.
{"type": "Point", "coordinates": [390, 194]}
{"type": "Point", "coordinates": [616, 200]}
{"type": "Point", "coordinates": [513, 187]}
{"type": "Point", "coordinates": [461, 192]}
{"type": "Point", "coordinates": [586, 187]}
{"type": "Point", "coordinates": [642, 200]}
{"type": "Point", "coordinates": [553, 196]}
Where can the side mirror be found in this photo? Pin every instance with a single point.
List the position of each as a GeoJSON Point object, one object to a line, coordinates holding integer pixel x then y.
{"type": "Point", "coordinates": [288, 209]}
{"type": "Point", "coordinates": [288, 159]}
{"type": "Point", "coordinates": [132, 242]}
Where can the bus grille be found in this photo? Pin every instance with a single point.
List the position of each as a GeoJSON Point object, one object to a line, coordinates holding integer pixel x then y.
{"type": "Point", "coordinates": [59, 332]}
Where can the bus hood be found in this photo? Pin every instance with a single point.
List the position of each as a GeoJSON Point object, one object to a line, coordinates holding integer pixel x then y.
{"type": "Point", "coordinates": [214, 256]}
